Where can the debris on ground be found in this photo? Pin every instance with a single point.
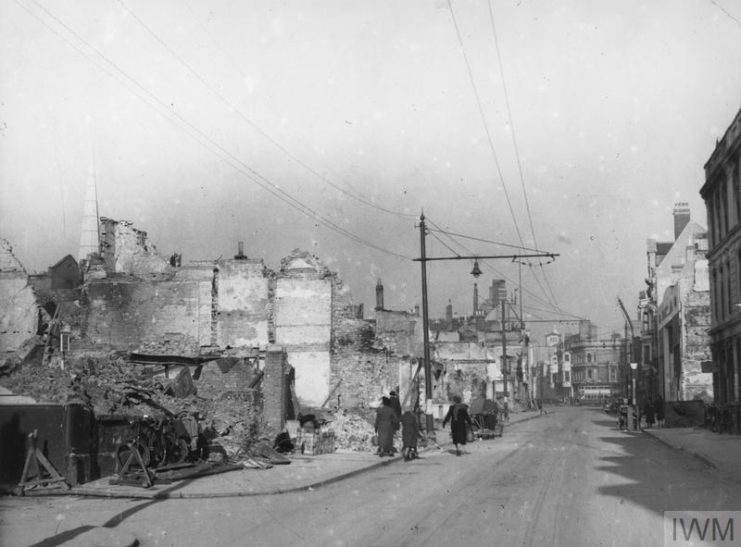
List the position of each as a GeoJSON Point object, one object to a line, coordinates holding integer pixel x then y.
{"type": "Point", "coordinates": [112, 385]}
{"type": "Point", "coordinates": [353, 429]}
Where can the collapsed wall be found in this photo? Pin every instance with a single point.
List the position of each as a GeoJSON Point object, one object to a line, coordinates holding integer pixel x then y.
{"type": "Point", "coordinates": [168, 316]}
{"type": "Point", "coordinates": [303, 322]}
{"type": "Point", "coordinates": [127, 250]}
{"type": "Point", "coordinates": [19, 310]}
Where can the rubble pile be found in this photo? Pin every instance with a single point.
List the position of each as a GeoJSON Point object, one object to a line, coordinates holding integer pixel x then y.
{"type": "Point", "coordinates": [43, 384]}
{"type": "Point", "coordinates": [353, 429]}
{"type": "Point", "coordinates": [113, 386]}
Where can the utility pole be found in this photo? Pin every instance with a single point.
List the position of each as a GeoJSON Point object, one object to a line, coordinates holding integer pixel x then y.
{"type": "Point", "coordinates": [430, 424]}
{"type": "Point", "coordinates": [505, 365]}
{"type": "Point", "coordinates": [425, 313]}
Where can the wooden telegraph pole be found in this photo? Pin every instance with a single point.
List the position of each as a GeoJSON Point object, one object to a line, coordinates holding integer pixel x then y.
{"type": "Point", "coordinates": [424, 259]}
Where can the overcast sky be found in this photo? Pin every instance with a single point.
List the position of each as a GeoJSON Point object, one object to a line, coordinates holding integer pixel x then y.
{"type": "Point", "coordinates": [568, 126]}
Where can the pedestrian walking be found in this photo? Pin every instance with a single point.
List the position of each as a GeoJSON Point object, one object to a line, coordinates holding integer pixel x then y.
{"type": "Point", "coordinates": [659, 405]}
{"type": "Point", "coordinates": [460, 422]}
{"type": "Point", "coordinates": [409, 435]}
{"type": "Point", "coordinates": [395, 404]}
{"type": "Point", "coordinates": [648, 410]}
{"type": "Point", "coordinates": [622, 417]}
{"type": "Point", "coordinates": [386, 425]}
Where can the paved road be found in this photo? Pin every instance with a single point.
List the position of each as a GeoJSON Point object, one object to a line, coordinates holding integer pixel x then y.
{"type": "Point", "coordinates": [568, 478]}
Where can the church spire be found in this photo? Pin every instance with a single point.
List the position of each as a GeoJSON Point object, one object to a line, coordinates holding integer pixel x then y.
{"type": "Point", "coordinates": [89, 239]}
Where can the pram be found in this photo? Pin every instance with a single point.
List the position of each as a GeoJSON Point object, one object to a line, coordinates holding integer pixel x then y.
{"type": "Point", "coordinates": [486, 419]}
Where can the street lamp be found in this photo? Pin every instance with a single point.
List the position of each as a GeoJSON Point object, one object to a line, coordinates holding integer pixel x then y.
{"type": "Point", "coordinates": [476, 272]}
{"type": "Point", "coordinates": [633, 367]}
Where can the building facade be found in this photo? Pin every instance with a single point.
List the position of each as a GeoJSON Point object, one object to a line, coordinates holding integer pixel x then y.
{"type": "Point", "coordinates": [595, 364]}
{"type": "Point", "coordinates": [722, 195]}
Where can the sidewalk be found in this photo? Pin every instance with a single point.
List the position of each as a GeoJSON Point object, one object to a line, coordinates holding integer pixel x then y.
{"type": "Point", "coordinates": [303, 473]}
{"type": "Point", "coordinates": [722, 452]}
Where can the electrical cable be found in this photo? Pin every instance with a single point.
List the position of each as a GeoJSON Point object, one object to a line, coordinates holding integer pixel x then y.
{"type": "Point", "coordinates": [483, 119]}
{"type": "Point", "coordinates": [234, 108]}
{"type": "Point", "coordinates": [200, 137]}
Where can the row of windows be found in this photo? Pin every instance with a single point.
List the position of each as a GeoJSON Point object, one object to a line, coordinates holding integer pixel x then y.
{"type": "Point", "coordinates": [722, 287]}
{"type": "Point", "coordinates": [592, 374]}
{"type": "Point", "coordinates": [724, 205]}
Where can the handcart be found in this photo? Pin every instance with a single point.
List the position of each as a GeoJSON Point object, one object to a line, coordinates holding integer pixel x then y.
{"type": "Point", "coordinates": [485, 415]}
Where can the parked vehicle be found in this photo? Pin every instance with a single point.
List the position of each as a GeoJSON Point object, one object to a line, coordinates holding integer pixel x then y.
{"type": "Point", "coordinates": [611, 407]}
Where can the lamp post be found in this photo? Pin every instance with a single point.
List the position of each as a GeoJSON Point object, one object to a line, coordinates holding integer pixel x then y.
{"type": "Point", "coordinates": [425, 316]}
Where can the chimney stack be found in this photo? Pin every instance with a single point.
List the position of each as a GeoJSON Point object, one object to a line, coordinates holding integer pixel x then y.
{"type": "Point", "coordinates": [379, 295]}
{"type": "Point", "coordinates": [681, 217]}
{"type": "Point", "coordinates": [240, 251]}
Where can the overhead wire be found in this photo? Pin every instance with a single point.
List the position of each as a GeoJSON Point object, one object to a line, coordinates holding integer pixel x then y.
{"type": "Point", "coordinates": [482, 240]}
{"type": "Point", "coordinates": [491, 268]}
{"type": "Point", "coordinates": [490, 141]}
{"type": "Point", "coordinates": [726, 12]}
{"type": "Point", "coordinates": [353, 195]}
{"type": "Point", "coordinates": [517, 149]}
{"type": "Point", "coordinates": [479, 104]}
{"type": "Point", "coordinates": [197, 134]}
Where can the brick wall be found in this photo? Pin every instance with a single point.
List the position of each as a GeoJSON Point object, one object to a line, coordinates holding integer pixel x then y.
{"type": "Point", "coordinates": [134, 314]}
{"type": "Point", "coordinates": [18, 311]}
{"type": "Point", "coordinates": [228, 378]}
{"type": "Point", "coordinates": [242, 304]}
{"type": "Point", "coordinates": [303, 325]}
{"type": "Point", "coordinates": [274, 390]}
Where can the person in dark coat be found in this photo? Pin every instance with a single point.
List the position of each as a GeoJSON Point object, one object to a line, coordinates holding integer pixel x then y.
{"type": "Point", "coordinates": [659, 408]}
{"type": "Point", "coordinates": [409, 435]}
{"type": "Point", "coordinates": [460, 421]}
{"type": "Point", "coordinates": [395, 403]}
{"type": "Point", "coordinates": [648, 411]}
{"type": "Point", "coordinates": [386, 425]}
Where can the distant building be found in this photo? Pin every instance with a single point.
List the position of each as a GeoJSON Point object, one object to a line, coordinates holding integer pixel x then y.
{"type": "Point", "coordinates": [722, 195]}
{"type": "Point", "coordinates": [595, 363]}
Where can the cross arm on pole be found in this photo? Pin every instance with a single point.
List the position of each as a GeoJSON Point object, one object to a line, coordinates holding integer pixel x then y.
{"type": "Point", "coordinates": [552, 256]}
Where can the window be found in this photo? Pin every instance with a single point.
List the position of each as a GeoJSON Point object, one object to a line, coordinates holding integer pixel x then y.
{"type": "Point", "coordinates": [714, 295]}
{"type": "Point", "coordinates": [724, 205]}
{"type": "Point", "coordinates": [736, 191]}
{"type": "Point", "coordinates": [722, 297]}
{"type": "Point", "coordinates": [738, 265]}
{"type": "Point", "coordinates": [589, 357]}
{"type": "Point", "coordinates": [729, 292]}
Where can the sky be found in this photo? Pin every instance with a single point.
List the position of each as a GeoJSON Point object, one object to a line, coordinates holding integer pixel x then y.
{"type": "Point", "coordinates": [566, 127]}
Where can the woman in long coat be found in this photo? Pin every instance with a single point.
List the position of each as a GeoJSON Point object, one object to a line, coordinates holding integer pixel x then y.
{"type": "Point", "coordinates": [387, 423]}
{"type": "Point", "coordinates": [460, 421]}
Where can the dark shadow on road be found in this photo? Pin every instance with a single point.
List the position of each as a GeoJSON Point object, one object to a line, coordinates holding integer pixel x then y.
{"type": "Point", "coordinates": [607, 423]}
{"type": "Point", "coordinates": [67, 535]}
{"type": "Point", "coordinates": [660, 478]}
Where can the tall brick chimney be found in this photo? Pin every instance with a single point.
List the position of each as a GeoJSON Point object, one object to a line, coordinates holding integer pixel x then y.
{"type": "Point", "coordinates": [240, 251]}
{"type": "Point", "coordinates": [379, 295]}
{"type": "Point", "coordinates": [475, 298]}
{"type": "Point", "coordinates": [681, 217]}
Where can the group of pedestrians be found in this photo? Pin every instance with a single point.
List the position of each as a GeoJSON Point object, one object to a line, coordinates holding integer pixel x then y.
{"type": "Point", "coordinates": [389, 419]}
{"type": "Point", "coordinates": [653, 412]}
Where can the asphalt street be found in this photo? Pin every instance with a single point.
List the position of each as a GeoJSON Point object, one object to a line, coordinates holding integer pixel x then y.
{"type": "Point", "coordinates": [567, 478]}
